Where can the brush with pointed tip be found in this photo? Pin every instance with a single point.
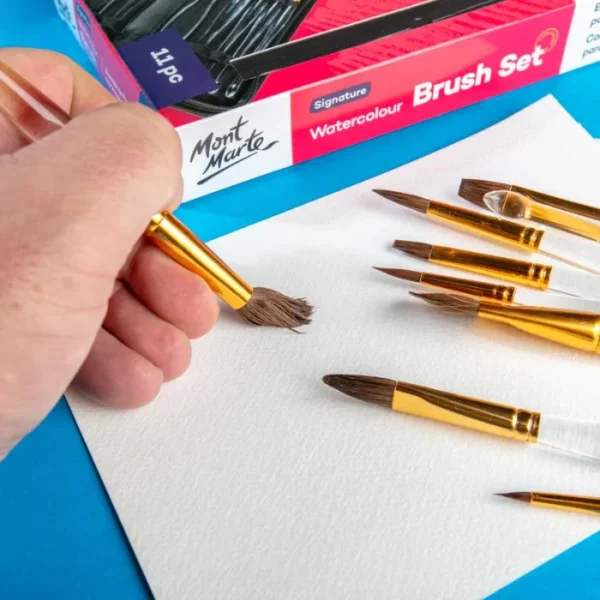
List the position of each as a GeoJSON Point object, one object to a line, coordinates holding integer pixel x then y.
{"type": "Point", "coordinates": [493, 292]}
{"type": "Point", "coordinates": [555, 278]}
{"type": "Point", "coordinates": [567, 435]}
{"type": "Point", "coordinates": [575, 329]}
{"type": "Point", "coordinates": [474, 190]}
{"type": "Point", "coordinates": [577, 252]}
{"type": "Point", "coordinates": [34, 115]}
{"type": "Point", "coordinates": [515, 205]}
{"type": "Point", "coordinates": [582, 504]}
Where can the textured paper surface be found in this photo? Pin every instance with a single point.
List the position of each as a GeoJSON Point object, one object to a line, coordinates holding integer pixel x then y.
{"type": "Point", "coordinates": [248, 478]}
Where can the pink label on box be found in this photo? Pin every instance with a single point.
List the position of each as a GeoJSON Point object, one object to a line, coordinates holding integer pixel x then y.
{"type": "Point", "coordinates": [426, 84]}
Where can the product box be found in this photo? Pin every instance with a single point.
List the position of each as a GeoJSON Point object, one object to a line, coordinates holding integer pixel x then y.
{"type": "Point", "coordinates": [253, 86]}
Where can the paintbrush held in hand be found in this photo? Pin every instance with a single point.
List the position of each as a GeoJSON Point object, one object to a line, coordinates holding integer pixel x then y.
{"type": "Point", "coordinates": [34, 115]}
{"type": "Point", "coordinates": [577, 437]}
{"type": "Point", "coordinates": [494, 292]}
{"type": "Point", "coordinates": [556, 278]}
{"type": "Point", "coordinates": [474, 190]}
{"type": "Point", "coordinates": [577, 252]}
{"type": "Point", "coordinates": [576, 329]}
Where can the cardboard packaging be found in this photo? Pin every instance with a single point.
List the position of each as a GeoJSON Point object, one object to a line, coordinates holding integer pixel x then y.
{"type": "Point", "coordinates": [253, 86]}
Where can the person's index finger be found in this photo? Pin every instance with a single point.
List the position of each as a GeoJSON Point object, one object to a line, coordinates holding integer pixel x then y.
{"type": "Point", "coordinates": [59, 78]}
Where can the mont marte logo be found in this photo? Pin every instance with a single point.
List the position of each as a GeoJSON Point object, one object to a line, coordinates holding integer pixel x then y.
{"type": "Point", "coordinates": [547, 40]}
{"type": "Point", "coordinates": [219, 153]}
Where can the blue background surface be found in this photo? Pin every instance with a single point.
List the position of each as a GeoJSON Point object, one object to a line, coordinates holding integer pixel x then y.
{"type": "Point", "coordinates": [59, 535]}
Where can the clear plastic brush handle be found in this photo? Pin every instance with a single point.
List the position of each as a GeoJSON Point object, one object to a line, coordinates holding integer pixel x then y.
{"type": "Point", "coordinates": [571, 435]}
{"type": "Point", "coordinates": [571, 249]}
{"type": "Point", "coordinates": [574, 282]}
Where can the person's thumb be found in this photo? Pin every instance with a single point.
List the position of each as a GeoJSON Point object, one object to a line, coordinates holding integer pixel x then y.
{"type": "Point", "coordinates": [88, 191]}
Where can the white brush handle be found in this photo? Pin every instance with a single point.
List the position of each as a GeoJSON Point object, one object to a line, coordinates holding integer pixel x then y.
{"type": "Point", "coordinates": [550, 300]}
{"type": "Point", "coordinates": [574, 282]}
{"type": "Point", "coordinates": [571, 435]}
{"type": "Point", "coordinates": [571, 249]}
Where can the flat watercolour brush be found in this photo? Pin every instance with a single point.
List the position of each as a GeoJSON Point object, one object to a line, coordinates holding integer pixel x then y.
{"type": "Point", "coordinates": [576, 329]}
{"type": "Point", "coordinates": [493, 292]}
{"type": "Point", "coordinates": [515, 205]}
{"type": "Point", "coordinates": [522, 425]}
{"type": "Point", "coordinates": [473, 190]}
{"type": "Point", "coordinates": [34, 115]}
{"type": "Point", "coordinates": [556, 278]}
{"type": "Point", "coordinates": [580, 504]}
{"type": "Point", "coordinates": [572, 250]}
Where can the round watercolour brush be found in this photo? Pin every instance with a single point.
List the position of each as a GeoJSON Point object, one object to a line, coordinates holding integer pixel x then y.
{"type": "Point", "coordinates": [34, 115]}
{"type": "Point", "coordinates": [582, 504]}
{"type": "Point", "coordinates": [578, 437]}
{"type": "Point", "coordinates": [575, 251]}
{"type": "Point", "coordinates": [556, 278]}
{"type": "Point", "coordinates": [493, 292]}
{"type": "Point", "coordinates": [576, 329]}
{"type": "Point", "coordinates": [473, 190]}
{"type": "Point", "coordinates": [515, 205]}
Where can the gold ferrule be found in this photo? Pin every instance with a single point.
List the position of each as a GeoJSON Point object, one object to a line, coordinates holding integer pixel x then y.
{"type": "Point", "coordinates": [491, 292]}
{"type": "Point", "coordinates": [582, 504]}
{"type": "Point", "coordinates": [177, 241]}
{"type": "Point", "coordinates": [517, 271]}
{"type": "Point", "coordinates": [470, 413]}
{"type": "Point", "coordinates": [527, 238]}
{"type": "Point", "coordinates": [575, 329]}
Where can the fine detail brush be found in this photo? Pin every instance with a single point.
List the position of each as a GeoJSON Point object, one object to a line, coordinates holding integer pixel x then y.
{"type": "Point", "coordinates": [34, 115]}
{"type": "Point", "coordinates": [576, 437]}
{"type": "Point", "coordinates": [473, 190]}
{"type": "Point", "coordinates": [555, 278]}
{"type": "Point", "coordinates": [575, 251]}
{"type": "Point", "coordinates": [515, 205]}
{"type": "Point", "coordinates": [581, 504]}
{"type": "Point", "coordinates": [494, 292]}
{"type": "Point", "coordinates": [576, 329]}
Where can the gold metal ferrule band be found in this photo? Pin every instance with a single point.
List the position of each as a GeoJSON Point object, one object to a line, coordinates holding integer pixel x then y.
{"type": "Point", "coordinates": [491, 292]}
{"type": "Point", "coordinates": [528, 238]}
{"type": "Point", "coordinates": [571, 328]}
{"type": "Point", "coordinates": [470, 413]}
{"type": "Point", "coordinates": [582, 504]}
{"type": "Point", "coordinates": [178, 242]}
{"type": "Point", "coordinates": [532, 275]}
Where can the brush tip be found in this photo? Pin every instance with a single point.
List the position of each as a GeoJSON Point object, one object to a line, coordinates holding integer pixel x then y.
{"type": "Point", "coordinates": [417, 203]}
{"type": "Point", "coordinates": [375, 390]}
{"type": "Point", "coordinates": [271, 308]}
{"type": "Point", "coordinates": [417, 249]}
{"type": "Point", "coordinates": [473, 190]}
{"type": "Point", "coordinates": [451, 303]}
{"type": "Point", "coordinates": [405, 274]}
{"type": "Point", "coordinates": [519, 496]}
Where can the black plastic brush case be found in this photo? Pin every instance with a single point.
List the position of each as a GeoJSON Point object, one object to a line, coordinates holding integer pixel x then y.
{"type": "Point", "coordinates": [217, 30]}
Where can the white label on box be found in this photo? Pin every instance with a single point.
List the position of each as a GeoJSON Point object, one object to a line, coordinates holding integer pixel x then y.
{"type": "Point", "coordinates": [583, 45]}
{"type": "Point", "coordinates": [238, 145]}
{"type": "Point", "coordinates": [66, 10]}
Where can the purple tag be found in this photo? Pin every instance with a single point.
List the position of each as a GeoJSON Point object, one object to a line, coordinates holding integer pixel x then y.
{"type": "Point", "coordinates": [167, 68]}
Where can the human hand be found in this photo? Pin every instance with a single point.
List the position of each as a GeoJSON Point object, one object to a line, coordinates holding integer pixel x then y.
{"type": "Point", "coordinates": [84, 302]}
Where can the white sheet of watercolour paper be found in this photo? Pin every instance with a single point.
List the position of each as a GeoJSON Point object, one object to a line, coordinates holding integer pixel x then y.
{"type": "Point", "coordinates": [249, 479]}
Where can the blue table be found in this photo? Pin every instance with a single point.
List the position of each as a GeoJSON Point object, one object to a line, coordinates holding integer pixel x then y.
{"type": "Point", "coordinates": [59, 535]}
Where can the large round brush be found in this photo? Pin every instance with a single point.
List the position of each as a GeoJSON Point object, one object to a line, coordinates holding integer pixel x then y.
{"type": "Point", "coordinates": [35, 115]}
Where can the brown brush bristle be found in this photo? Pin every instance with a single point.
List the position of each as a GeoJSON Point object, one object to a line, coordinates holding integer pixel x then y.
{"type": "Point", "coordinates": [272, 308]}
{"type": "Point", "coordinates": [370, 389]}
{"type": "Point", "coordinates": [473, 190]}
{"type": "Point", "coordinates": [451, 302]}
{"type": "Point", "coordinates": [407, 200]}
{"type": "Point", "coordinates": [405, 274]}
{"type": "Point", "coordinates": [520, 496]}
{"type": "Point", "coordinates": [417, 249]}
